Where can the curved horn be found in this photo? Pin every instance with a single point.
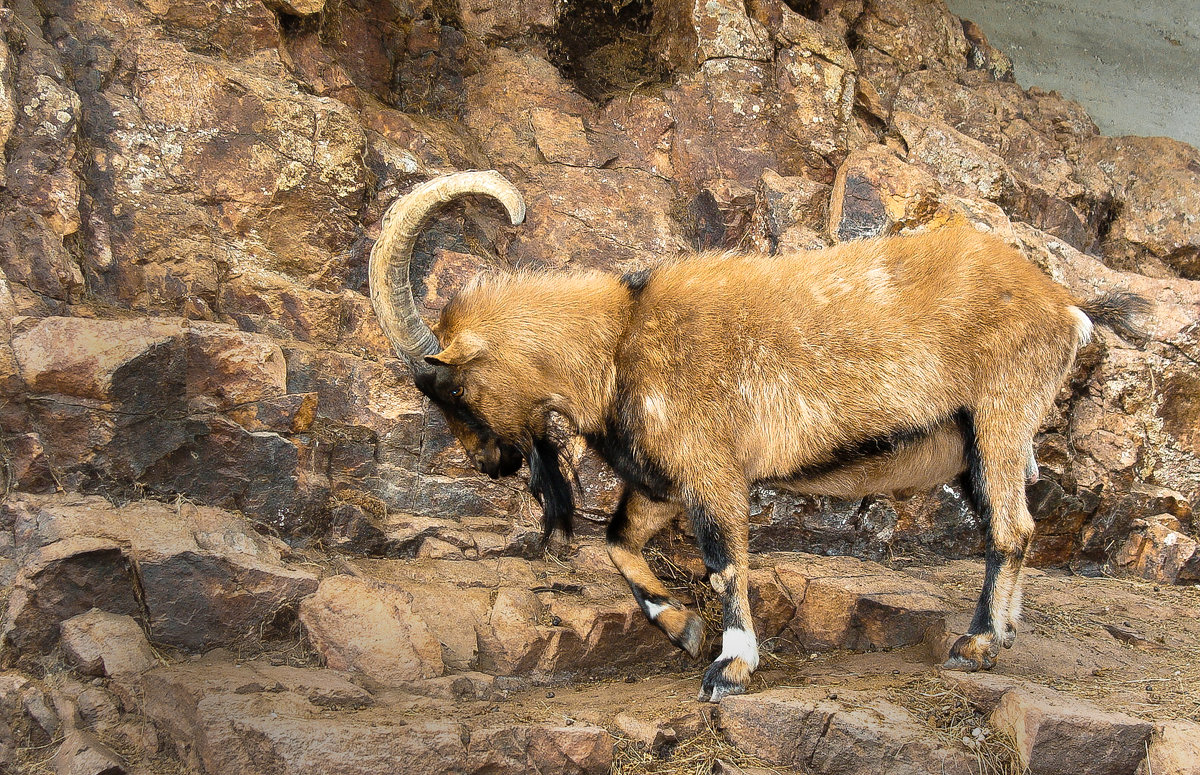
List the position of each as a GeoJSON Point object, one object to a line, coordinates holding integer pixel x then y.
{"type": "Point", "coordinates": [391, 286]}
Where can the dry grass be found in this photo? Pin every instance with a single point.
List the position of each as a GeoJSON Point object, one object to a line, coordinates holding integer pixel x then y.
{"type": "Point", "coordinates": [694, 756]}
{"type": "Point", "coordinates": [951, 717]}
{"type": "Point", "coordinates": [685, 585]}
{"type": "Point", "coordinates": [1161, 678]}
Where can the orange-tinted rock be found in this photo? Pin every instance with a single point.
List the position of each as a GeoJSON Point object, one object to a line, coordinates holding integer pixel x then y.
{"type": "Point", "coordinates": [875, 193]}
{"type": "Point", "coordinates": [855, 733]}
{"type": "Point", "coordinates": [846, 603]}
{"type": "Point", "coordinates": [356, 625]}
{"type": "Point", "coordinates": [100, 643]}
{"type": "Point", "coordinates": [1157, 551]}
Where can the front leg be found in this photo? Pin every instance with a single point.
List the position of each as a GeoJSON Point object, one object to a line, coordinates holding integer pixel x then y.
{"type": "Point", "coordinates": [723, 533]}
{"type": "Point", "coordinates": [635, 522]}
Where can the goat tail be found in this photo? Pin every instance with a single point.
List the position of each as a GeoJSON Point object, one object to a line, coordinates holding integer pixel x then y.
{"type": "Point", "coordinates": [1116, 311]}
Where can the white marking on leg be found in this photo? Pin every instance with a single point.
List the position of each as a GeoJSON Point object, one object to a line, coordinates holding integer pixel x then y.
{"type": "Point", "coordinates": [1083, 326]}
{"type": "Point", "coordinates": [741, 644]}
{"type": "Point", "coordinates": [1032, 472]}
{"type": "Point", "coordinates": [654, 609]}
{"type": "Point", "coordinates": [1014, 605]}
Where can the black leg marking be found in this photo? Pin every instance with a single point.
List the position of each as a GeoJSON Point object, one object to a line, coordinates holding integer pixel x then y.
{"type": "Point", "coordinates": [977, 649]}
{"type": "Point", "coordinates": [716, 685]}
{"type": "Point", "coordinates": [615, 534]}
{"type": "Point", "coordinates": [711, 539]}
{"type": "Point", "coordinates": [982, 621]}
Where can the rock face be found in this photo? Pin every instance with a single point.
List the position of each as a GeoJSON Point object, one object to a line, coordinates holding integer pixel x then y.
{"type": "Point", "coordinates": [207, 443]}
{"type": "Point", "coordinates": [225, 350]}
{"type": "Point", "coordinates": [197, 577]}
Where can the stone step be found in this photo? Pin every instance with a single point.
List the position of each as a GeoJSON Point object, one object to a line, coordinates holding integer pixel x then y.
{"type": "Point", "coordinates": [1056, 733]}
{"type": "Point", "coordinates": [404, 620]}
{"type": "Point", "coordinates": [225, 718]}
{"type": "Point", "coordinates": [847, 733]}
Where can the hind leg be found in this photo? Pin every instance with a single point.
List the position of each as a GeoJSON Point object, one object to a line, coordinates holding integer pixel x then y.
{"type": "Point", "coordinates": [635, 522]}
{"type": "Point", "coordinates": [723, 535]}
{"type": "Point", "coordinates": [997, 467]}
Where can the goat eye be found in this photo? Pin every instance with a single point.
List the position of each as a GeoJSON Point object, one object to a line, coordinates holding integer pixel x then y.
{"type": "Point", "coordinates": [456, 392]}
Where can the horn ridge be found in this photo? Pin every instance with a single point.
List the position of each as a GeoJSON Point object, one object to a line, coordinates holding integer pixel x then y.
{"type": "Point", "coordinates": [391, 257]}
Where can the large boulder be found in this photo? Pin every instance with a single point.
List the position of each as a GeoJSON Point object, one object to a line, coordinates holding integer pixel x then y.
{"type": "Point", "coordinates": [196, 577]}
{"type": "Point", "coordinates": [851, 733]}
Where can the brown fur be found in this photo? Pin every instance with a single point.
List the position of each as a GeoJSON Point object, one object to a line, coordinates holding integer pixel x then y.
{"type": "Point", "coordinates": [730, 369]}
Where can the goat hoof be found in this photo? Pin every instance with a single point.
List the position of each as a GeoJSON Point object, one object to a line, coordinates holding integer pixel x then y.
{"type": "Point", "coordinates": [1009, 637]}
{"type": "Point", "coordinates": [973, 652]}
{"type": "Point", "coordinates": [723, 678]}
{"type": "Point", "coordinates": [683, 628]}
{"type": "Point", "coordinates": [960, 663]}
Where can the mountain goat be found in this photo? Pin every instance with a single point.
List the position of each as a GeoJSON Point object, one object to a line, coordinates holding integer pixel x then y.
{"type": "Point", "coordinates": [869, 367]}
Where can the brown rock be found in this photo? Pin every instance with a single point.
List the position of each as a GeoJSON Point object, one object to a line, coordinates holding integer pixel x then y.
{"type": "Point", "coordinates": [262, 720]}
{"type": "Point", "coordinates": [490, 21]}
{"type": "Point", "coordinates": [512, 641]}
{"type": "Point", "coordinates": [723, 29]}
{"type": "Point", "coordinates": [816, 92]}
{"type": "Point", "coordinates": [856, 733]}
{"type": "Point", "coordinates": [984, 56]}
{"type": "Point", "coordinates": [81, 358]}
{"type": "Point", "coordinates": [957, 161]}
{"type": "Point", "coordinates": [770, 603]}
{"type": "Point", "coordinates": [42, 161]}
{"type": "Point", "coordinates": [642, 134]}
{"type": "Point", "coordinates": [1154, 183]}
{"type": "Point", "coordinates": [654, 735]}
{"type": "Point", "coordinates": [298, 7]}
{"type": "Point", "coordinates": [500, 99]}
{"type": "Point", "coordinates": [151, 386]}
{"type": "Point", "coordinates": [41, 273]}
{"type": "Point", "coordinates": [106, 644]}
{"type": "Point", "coordinates": [232, 367]}
{"type": "Point", "coordinates": [204, 576]}
{"type": "Point", "coordinates": [357, 625]}
{"type": "Point", "coordinates": [575, 749]}
{"type": "Point", "coordinates": [727, 103]}
{"type": "Point", "coordinates": [875, 193]}
{"type": "Point", "coordinates": [1174, 748]}
{"type": "Point", "coordinates": [786, 206]}
{"type": "Point", "coordinates": [1057, 734]}
{"type": "Point", "coordinates": [845, 603]}
{"type": "Point", "coordinates": [82, 753]}
{"type": "Point", "coordinates": [562, 139]}
{"type": "Point", "coordinates": [613, 219]}
{"type": "Point", "coordinates": [1156, 550]}
{"type": "Point", "coordinates": [28, 465]}
{"type": "Point", "coordinates": [599, 633]}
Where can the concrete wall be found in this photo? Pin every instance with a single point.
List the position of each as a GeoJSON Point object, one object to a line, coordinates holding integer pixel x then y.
{"type": "Point", "coordinates": [1135, 66]}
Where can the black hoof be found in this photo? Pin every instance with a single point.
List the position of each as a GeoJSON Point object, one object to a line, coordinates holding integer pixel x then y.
{"type": "Point", "coordinates": [718, 682]}
{"type": "Point", "coordinates": [692, 637]}
{"type": "Point", "coordinates": [973, 652]}
{"type": "Point", "coordinates": [683, 628]}
{"type": "Point", "coordinates": [961, 663]}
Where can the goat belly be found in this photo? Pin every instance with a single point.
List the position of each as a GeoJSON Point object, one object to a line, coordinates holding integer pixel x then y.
{"type": "Point", "coordinates": [918, 463]}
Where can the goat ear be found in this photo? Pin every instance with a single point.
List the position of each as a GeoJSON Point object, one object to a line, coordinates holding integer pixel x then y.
{"type": "Point", "coordinates": [465, 348]}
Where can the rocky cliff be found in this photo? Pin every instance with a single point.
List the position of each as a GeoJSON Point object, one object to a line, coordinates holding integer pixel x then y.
{"type": "Point", "coordinates": [206, 432]}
